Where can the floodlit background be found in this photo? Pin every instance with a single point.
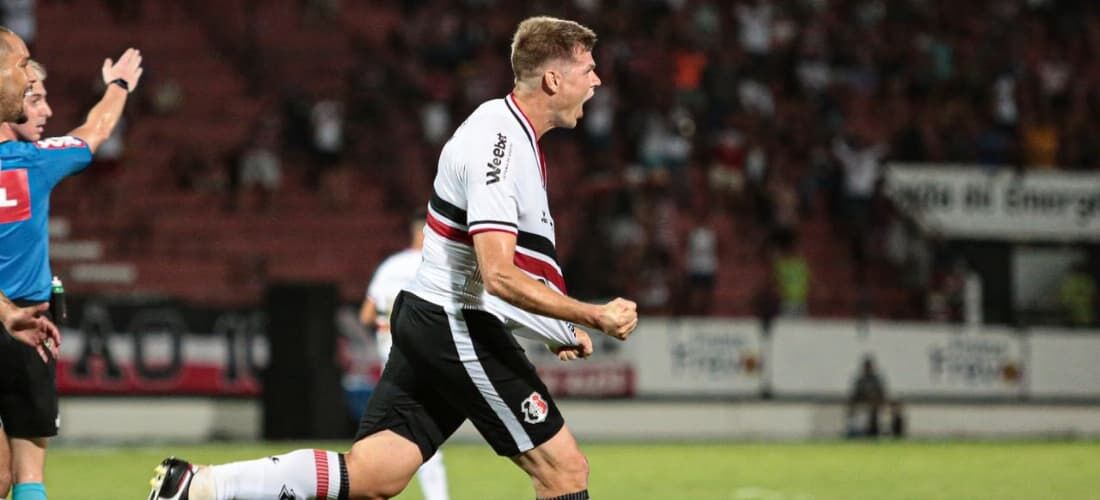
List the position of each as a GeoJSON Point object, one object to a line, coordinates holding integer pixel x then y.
{"type": "Point", "coordinates": [840, 218]}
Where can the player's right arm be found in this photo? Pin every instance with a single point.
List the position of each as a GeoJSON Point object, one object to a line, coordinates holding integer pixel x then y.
{"type": "Point", "coordinates": [104, 116]}
{"type": "Point", "coordinates": [489, 180]}
{"type": "Point", "coordinates": [495, 253]}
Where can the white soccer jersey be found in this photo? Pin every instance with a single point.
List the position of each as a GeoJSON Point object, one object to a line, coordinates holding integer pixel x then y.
{"type": "Point", "coordinates": [491, 177]}
{"type": "Point", "coordinates": [392, 276]}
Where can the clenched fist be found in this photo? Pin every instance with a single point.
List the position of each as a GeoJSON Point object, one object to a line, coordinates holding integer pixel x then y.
{"type": "Point", "coordinates": [618, 318]}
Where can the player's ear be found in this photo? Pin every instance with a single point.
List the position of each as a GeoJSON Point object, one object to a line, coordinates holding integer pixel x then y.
{"type": "Point", "coordinates": [551, 80]}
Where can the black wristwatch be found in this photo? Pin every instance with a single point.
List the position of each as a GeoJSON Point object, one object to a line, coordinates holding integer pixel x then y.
{"type": "Point", "coordinates": [121, 83]}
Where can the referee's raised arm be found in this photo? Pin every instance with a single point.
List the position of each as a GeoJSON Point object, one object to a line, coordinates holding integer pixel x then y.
{"type": "Point", "coordinates": [120, 78]}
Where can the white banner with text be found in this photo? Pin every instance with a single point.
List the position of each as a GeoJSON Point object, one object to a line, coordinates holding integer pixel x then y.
{"type": "Point", "coordinates": [977, 203]}
{"type": "Point", "coordinates": [1064, 363]}
{"type": "Point", "coordinates": [821, 358]}
{"type": "Point", "coordinates": [663, 358]}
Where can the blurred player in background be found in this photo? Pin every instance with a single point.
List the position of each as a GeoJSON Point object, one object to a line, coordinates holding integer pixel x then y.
{"type": "Point", "coordinates": [489, 271]}
{"type": "Point", "coordinates": [392, 276]}
{"type": "Point", "coordinates": [28, 388]}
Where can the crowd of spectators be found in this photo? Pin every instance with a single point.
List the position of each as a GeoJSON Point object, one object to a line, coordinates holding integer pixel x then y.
{"type": "Point", "coordinates": [739, 118]}
{"type": "Point", "coordinates": [767, 112]}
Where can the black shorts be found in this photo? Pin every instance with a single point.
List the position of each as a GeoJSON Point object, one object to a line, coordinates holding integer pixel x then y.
{"type": "Point", "coordinates": [28, 390]}
{"type": "Point", "coordinates": [445, 368]}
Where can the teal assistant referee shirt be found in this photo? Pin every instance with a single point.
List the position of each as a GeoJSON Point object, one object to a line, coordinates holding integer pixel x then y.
{"type": "Point", "coordinates": [28, 172]}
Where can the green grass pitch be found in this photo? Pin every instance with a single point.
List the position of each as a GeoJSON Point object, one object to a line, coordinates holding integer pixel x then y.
{"type": "Point", "coordinates": [736, 471]}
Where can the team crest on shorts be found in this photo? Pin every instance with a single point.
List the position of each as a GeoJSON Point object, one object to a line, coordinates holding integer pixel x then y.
{"type": "Point", "coordinates": [534, 409]}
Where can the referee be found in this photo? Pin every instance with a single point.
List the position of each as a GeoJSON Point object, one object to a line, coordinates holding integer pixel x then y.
{"type": "Point", "coordinates": [25, 324]}
{"type": "Point", "coordinates": [32, 167]}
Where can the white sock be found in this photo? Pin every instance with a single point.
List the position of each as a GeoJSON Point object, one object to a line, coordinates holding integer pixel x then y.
{"type": "Point", "coordinates": [300, 474]}
{"type": "Point", "coordinates": [433, 478]}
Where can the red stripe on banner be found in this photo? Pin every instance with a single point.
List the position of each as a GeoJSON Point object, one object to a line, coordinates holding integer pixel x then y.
{"type": "Point", "coordinates": [320, 457]}
{"type": "Point", "coordinates": [604, 381]}
{"type": "Point", "coordinates": [192, 378]}
{"type": "Point", "coordinates": [540, 268]}
{"type": "Point", "coordinates": [447, 231]}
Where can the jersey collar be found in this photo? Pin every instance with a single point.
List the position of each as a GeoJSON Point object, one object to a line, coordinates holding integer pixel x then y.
{"type": "Point", "coordinates": [529, 130]}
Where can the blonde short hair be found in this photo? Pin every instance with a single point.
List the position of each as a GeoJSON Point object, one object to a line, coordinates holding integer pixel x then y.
{"type": "Point", "coordinates": [541, 39]}
{"type": "Point", "coordinates": [37, 69]}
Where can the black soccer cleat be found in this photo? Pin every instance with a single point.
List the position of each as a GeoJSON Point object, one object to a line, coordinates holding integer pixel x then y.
{"type": "Point", "coordinates": [172, 479]}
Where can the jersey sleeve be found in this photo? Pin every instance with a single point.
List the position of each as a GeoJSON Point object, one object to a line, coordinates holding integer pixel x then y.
{"type": "Point", "coordinates": [62, 156]}
{"type": "Point", "coordinates": [490, 184]}
{"type": "Point", "coordinates": [553, 332]}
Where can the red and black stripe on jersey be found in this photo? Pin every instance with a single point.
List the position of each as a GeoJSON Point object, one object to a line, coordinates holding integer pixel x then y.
{"type": "Point", "coordinates": [448, 220]}
{"type": "Point", "coordinates": [534, 253]}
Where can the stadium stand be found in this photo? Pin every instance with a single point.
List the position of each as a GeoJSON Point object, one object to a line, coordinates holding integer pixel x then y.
{"type": "Point", "coordinates": [761, 93]}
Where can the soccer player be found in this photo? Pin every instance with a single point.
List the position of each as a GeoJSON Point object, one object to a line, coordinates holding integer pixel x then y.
{"type": "Point", "coordinates": [32, 166]}
{"type": "Point", "coordinates": [393, 275]}
{"type": "Point", "coordinates": [489, 270]}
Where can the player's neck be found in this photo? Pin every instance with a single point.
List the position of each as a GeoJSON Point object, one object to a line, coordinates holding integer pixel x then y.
{"type": "Point", "coordinates": [535, 108]}
{"type": "Point", "coordinates": [7, 134]}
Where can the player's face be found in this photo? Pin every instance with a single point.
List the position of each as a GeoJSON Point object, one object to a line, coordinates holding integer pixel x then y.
{"type": "Point", "coordinates": [13, 78]}
{"type": "Point", "coordinates": [578, 85]}
{"type": "Point", "coordinates": [38, 112]}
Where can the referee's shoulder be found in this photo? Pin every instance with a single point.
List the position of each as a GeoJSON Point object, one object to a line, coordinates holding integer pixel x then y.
{"type": "Point", "coordinates": [16, 146]}
{"type": "Point", "coordinates": [61, 142]}
{"type": "Point", "coordinates": [18, 151]}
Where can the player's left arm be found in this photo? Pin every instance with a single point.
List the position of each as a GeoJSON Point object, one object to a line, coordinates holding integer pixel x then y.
{"type": "Point", "coordinates": [104, 116]}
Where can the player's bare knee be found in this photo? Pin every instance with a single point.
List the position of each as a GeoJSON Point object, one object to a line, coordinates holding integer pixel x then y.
{"type": "Point", "coordinates": [377, 495]}
{"type": "Point", "coordinates": [379, 489]}
{"type": "Point", "coordinates": [370, 478]}
{"type": "Point", "coordinates": [574, 471]}
{"type": "Point", "coordinates": [366, 484]}
{"type": "Point", "coordinates": [374, 488]}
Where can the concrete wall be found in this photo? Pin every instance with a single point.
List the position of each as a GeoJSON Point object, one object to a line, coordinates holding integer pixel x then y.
{"type": "Point", "coordinates": [150, 420]}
